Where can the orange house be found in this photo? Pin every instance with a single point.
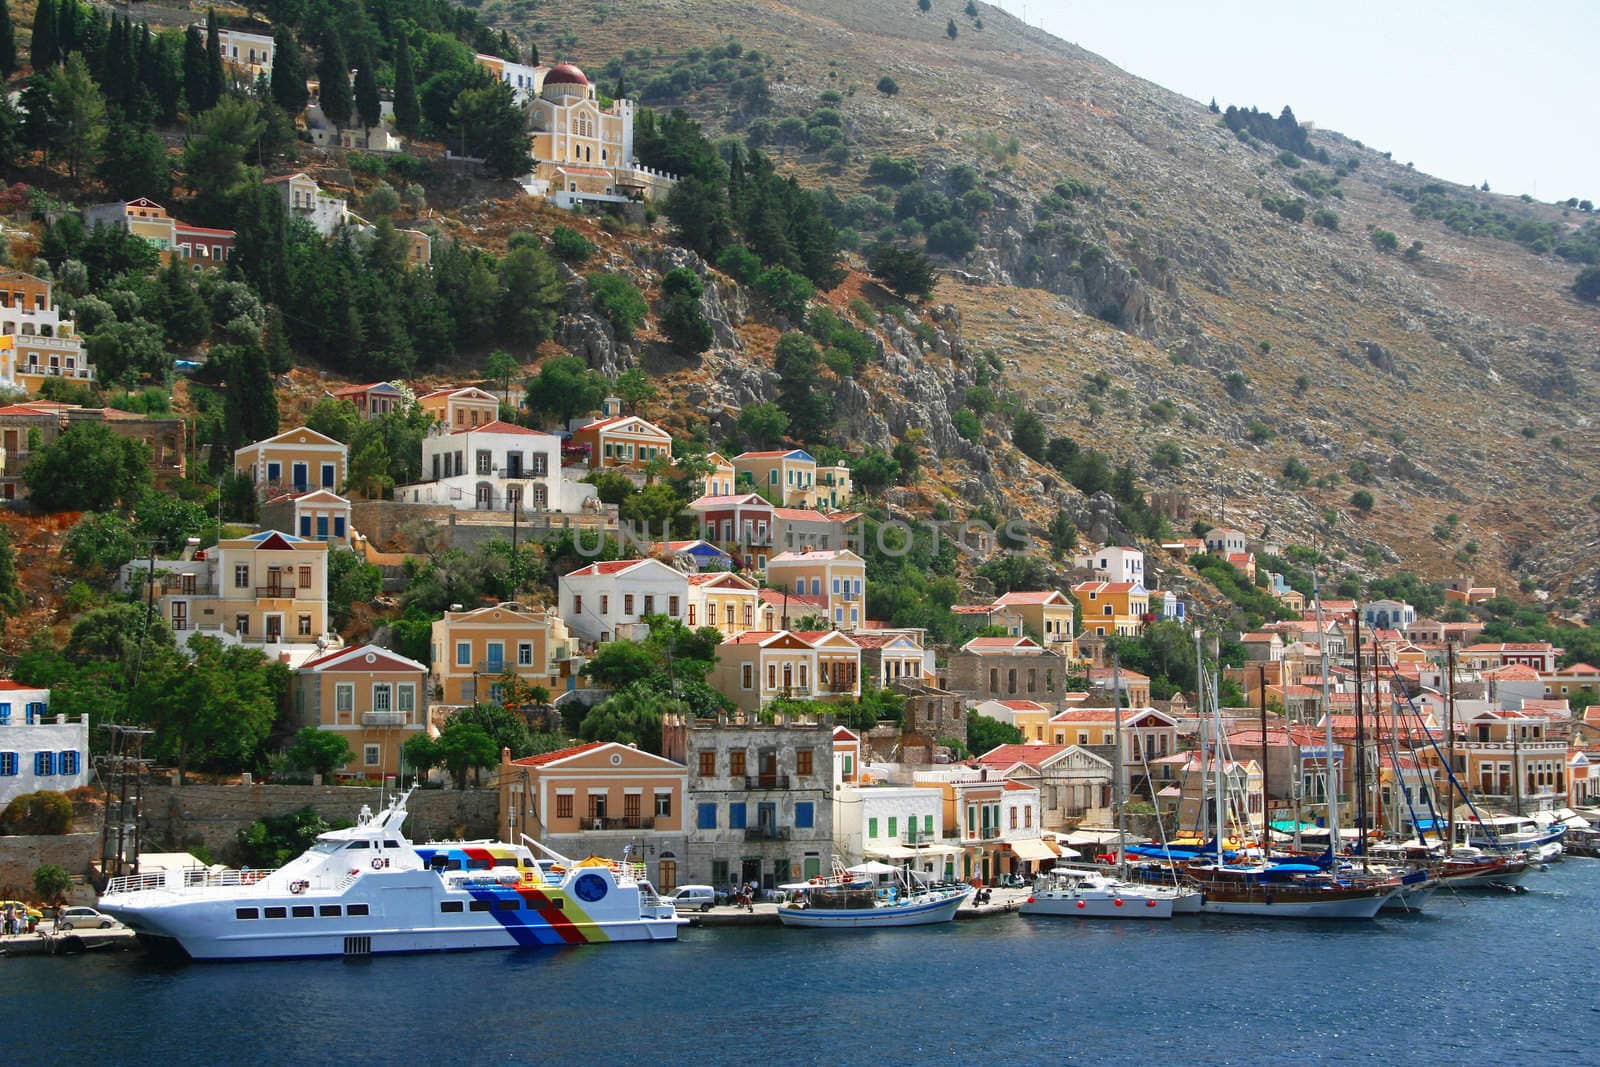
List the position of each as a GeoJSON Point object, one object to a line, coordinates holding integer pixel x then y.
{"type": "Point", "coordinates": [597, 799]}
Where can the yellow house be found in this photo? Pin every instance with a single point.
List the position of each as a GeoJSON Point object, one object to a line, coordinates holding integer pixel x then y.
{"type": "Point", "coordinates": [1028, 716]}
{"type": "Point", "coordinates": [1047, 614]}
{"type": "Point", "coordinates": [269, 589]}
{"type": "Point", "coordinates": [297, 460]}
{"type": "Point", "coordinates": [36, 343]}
{"type": "Point", "coordinates": [374, 698]}
{"type": "Point", "coordinates": [474, 651]}
{"type": "Point", "coordinates": [834, 487]}
{"type": "Point", "coordinates": [759, 666]}
{"type": "Point", "coordinates": [789, 478]}
{"type": "Point", "coordinates": [1113, 607]}
{"type": "Point", "coordinates": [720, 478]}
{"type": "Point", "coordinates": [838, 577]}
{"type": "Point", "coordinates": [461, 408]}
{"type": "Point", "coordinates": [722, 599]}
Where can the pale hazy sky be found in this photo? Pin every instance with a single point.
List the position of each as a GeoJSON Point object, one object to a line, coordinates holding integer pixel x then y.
{"type": "Point", "coordinates": [1470, 90]}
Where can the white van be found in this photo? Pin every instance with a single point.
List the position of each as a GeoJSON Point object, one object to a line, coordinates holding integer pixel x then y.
{"type": "Point", "coordinates": [690, 897]}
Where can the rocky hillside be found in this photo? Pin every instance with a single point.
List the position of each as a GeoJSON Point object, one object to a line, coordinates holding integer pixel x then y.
{"type": "Point", "coordinates": [1131, 234]}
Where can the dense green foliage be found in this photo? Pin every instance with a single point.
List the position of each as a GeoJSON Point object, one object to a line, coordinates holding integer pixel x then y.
{"type": "Point", "coordinates": [88, 468]}
{"type": "Point", "coordinates": [46, 813]}
{"type": "Point", "coordinates": [1285, 131]}
{"type": "Point", "coordinates": [1478, 216]}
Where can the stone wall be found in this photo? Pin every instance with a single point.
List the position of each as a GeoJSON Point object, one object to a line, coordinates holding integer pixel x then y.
{"type": "Point", "coordinates": [19, 856]}
{"type": "Point", "coordinates": [380, 521]}
{"type": "Point", "coordinates": [212, 815]}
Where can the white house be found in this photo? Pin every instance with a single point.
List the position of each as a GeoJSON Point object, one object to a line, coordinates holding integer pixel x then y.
{"type": "Point", "coordinates": [303, 198]}
{"type": "Point", "coordinates": [37, 751]}
{"type": "Point", "coordinates": [1388, 614]}
{"type": "Point", "coordinates": [496, 466]}
{"type": "Point", "coordinates": [1115, 564]}
{"type": "Point", "coordinates": [606, 600]}
{"type": "Point", "coordinates": [897, 824]}
{"type": "Point", "coordinates": [1225, 541]}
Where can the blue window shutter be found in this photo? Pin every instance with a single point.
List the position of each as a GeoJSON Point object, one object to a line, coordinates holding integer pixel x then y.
{"type": "Point", "coordinates": [804, 814]}
{"type": "Point", "coordinates": [338, 527]}
{"type": "Point", "coordinates": [707, 817]}
{"type": "Point", "coordinates": [5, 714]}
{"type": "Point", "coordinates": [322, 527]}
{"type": "Point", "coordinates": [736, 816]}
{"type": "Point", "coordinates": [305, 526]}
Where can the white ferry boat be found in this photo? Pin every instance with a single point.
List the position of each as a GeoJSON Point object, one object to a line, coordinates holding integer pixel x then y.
{"type": "Point", "coordinates": [367, 890]}
{"type": "Point", "coordinates": [854, 899]}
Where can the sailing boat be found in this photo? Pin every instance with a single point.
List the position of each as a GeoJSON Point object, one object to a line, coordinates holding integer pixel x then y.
{"type": "Point", "coordinates": [1092, 894]}
{"type": "Point", "coordinates": [1270, 888]}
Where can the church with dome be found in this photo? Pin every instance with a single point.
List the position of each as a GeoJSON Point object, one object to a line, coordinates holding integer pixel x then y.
{"type": "Point", "coordinates": [582, 152]}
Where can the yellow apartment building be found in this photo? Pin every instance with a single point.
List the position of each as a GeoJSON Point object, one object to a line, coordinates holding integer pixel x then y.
{"type": "Point", "coordinates": [474, 650]}
{"type": "Point", "coordinates": [374, 698]}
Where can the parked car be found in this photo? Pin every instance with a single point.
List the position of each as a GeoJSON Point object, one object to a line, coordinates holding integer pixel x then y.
{"type": "Point", "coordinates": [82, 918]}
{"type": "Point", "coordinates": [690, 897]}
{"type": "Point", "coordinates": [33, 913]}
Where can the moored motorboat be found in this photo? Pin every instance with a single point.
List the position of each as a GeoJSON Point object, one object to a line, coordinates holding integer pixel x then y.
{"type": "Point", "coordinates": [367, 890]}
{"type": "Point", "coordinates": [1094, 895]}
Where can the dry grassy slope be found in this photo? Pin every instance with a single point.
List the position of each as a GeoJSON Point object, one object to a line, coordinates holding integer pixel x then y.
{"type": "Point", "coordinates": [1466, 331]}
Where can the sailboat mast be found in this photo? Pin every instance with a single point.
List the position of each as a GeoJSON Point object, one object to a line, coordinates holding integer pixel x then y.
{"type": "Point", "coordinates": [1204, 815]}
{"type": "Point", "coordinates": [1450, 750]}
{"type": "Point", "coordinates": [1117, 764]}
{"type": "Point", "coordinates": [1330, 784]}
{"type": "Point", "coordinates": [1361, 752]}
{"type": "Point", "coordinates": [1216, 753]}
{"type": "Point", "coordinates": [1266, 809]}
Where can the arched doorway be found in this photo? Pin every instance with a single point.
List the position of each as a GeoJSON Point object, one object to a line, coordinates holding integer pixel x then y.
{"type": "Point", "coordinates": [667, 873]}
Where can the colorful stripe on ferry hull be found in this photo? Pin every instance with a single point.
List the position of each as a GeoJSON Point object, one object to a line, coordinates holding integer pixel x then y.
{"type": "Point", "coordinates": [538, 920]}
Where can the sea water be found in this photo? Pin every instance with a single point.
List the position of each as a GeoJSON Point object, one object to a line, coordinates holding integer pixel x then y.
{"type": "Point", "coordinates": [1485, 978]}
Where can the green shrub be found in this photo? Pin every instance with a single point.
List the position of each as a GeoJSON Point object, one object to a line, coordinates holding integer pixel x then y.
{"type": "Point", "coordinates": [618, 299]}
{"type": "Point", "coordinates": [967, 424]}
{"type": "Point", "coordinates": [45, 813]}
{"type": "Point", "coordinates": [571, 245]}
{"type": "Point", "coordinates": [1385, 240]}
{"type": "Point", "coordinates": [739, 263]}
{"type": "Point", "coordinates": [1362, 501]}
{"type": "Point", "coordinates": [1326, 218]}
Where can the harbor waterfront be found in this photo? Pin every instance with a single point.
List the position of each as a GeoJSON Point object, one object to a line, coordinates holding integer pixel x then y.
{"type": "Point", "coordinates": [1463, 983]}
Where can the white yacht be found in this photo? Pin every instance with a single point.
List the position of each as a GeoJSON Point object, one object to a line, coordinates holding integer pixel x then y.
{"type": "Point", "coordinates": [1092, 895]}
{"type": "Point", "coordinates": [368, 890]}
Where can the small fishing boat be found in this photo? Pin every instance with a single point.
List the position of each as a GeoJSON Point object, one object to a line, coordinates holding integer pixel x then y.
{"type": "Point", "coordinates": [855, 899]}
{"type": "Point", "coordinates": [1515, 833]}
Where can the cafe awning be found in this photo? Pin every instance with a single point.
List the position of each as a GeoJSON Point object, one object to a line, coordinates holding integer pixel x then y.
{"type": "Point", "coordinates": [1032, 849]}
{"type": "Point", "coordinates": [901, 852]}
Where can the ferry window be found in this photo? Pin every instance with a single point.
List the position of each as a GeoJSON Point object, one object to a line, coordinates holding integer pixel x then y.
{"type": "Point", "coordinates": [246, 913]}
{"type": "Point", "coordinates": [356, 909]}
{"type": "Point", "coordinates": [505, 861]}
{"type": "Point", "coordinates": [475, 864]}
{"type": "Point", "coordinates": [304, 911]}
{"type": "Point", "coordinates": [477, 905]}
{"type": "Point", "coordinates": [450, 907]}
{"type": "Point", "coordinates": [507, 905]}
{"type": "Point", "coordinates": [276, 913]}
{"type": "Point", "coordinates": [354, 845]}
{"type": "Point", "coordinates": [558, 903]}
{"type": "Point", "coordinates": [331, 911]}
{"type": "Point", "coordinates": [391, 844]}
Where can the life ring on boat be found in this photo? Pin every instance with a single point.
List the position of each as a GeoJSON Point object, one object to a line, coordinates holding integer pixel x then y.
{"type": "Point", "coordinates": [298, 887]}
{"type": "Point", "coordinates": [847, 877]}
{"type": "Point", "coordinates": [816, 881]}
{"type": "Point", "coordinates": [379, 863]}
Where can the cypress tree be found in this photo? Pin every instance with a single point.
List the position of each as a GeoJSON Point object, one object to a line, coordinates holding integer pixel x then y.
{"type": "Point", "coordinates": [159, 69]}
{"type": "Point", "coordinates": [533, 54]}
{"type": "Point", "coordinates": [8, 42]}
{"type": "Point", "coordinates": [66, 28]}
{"type": "Point", "coordinates": [214, 74]}
{"type": "Point", "coordinates": [43, 52]}
{"type": "Point", "coordinates": [407, 111]}
{"type": "Point", "coordinates": [288, 73]}
{"type": "Point", "coordinates": [333, 72]}
{"type": "Point", "coordinates": [368, 107]}
{"type": "Point", "coordinates": [196, 79]}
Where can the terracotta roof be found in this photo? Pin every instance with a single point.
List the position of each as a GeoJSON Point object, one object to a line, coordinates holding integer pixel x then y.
{"type": "Point", "coordinates": [1102, 714]}
{"type": "Point", "coordinates": [1518, 672]}
{"type": "Point", "coordinates": [500, 426]}
{"type": "Point", "coordinates": [774, 453]}
{"type": "Point", "coordinates": [810, 555]}
{"type": "Point", "coordinates": [984, 645]}
{"type": "Point", "coordinates": [1099, 674]}
{"type": "Point", "coordinates": [1018, 787]}
{"type": "Point", "coordinates": [1039, 597]}
{"type": "Point", "coordinates": [560, 753]}
{"type": "Point", "coordinates": [802, 600]}
{"type": "Point", "coordinates": [1010, 755]}
{"type": "Point", "coordinates": [1104, 587]}
{"type": "Point", "coordinates": [610, 566]}
{"type": "Point", "coordinates": [10, 685]}
{"type": "Point", "coordinates": [1022, 705]}
{"type": "Point", "coordinates": [1512, 646]}
{"type": "Point", "coordinates": [727, 501]}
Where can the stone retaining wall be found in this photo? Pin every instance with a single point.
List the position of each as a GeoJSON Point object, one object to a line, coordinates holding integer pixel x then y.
{"type": "Point", "coordinates": [178, 818]}
{"type": "Point", "coordinates": [19, 856]}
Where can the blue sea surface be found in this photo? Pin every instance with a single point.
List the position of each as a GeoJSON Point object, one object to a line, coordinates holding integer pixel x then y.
{"type": "Point", "coordinates": [1478, 979]}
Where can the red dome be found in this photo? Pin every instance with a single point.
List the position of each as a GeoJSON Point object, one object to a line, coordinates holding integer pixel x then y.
{"type": "Point", "coordinates": [566, 74]}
